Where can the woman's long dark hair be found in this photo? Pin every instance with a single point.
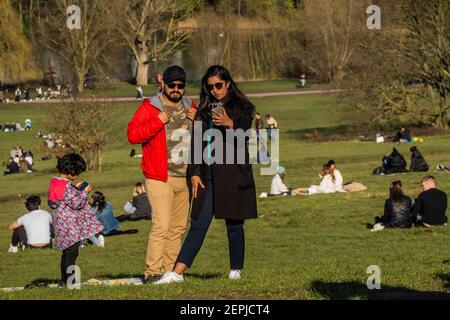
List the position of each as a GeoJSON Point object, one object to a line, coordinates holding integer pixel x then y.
{"type": "Point", "coordinates": [234, 103]}
{"type": "Point", "coordinates": [396, 192]}
{"type": "Point", "coordinates": [99, 201]}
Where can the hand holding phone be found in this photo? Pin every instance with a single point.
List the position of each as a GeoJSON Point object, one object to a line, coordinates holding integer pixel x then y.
{"type": "Point", "coordinates": [217, 107]}
{"type": "Point", "coordinates": [83, 186]}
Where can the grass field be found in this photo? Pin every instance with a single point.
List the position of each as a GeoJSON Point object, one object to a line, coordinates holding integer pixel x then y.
{"type": "Point", "coordinates": [315, 247]}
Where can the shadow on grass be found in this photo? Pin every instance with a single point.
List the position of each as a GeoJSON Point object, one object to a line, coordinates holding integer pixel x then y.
{"type": "Point", "coordinates": [120, 276]}
{"type": "Point", "coordinates": [122, 232]}
{"type": "Point", "coordinates": [352, 289]}
{"type": "Point", "coordinates": [445, 277]}
{"type": "Point", "coordinates": [40, 283]}
{"type": "Point", "coordinates": [369, 225]}
{"type": "Point", "coordinates": [204, 276]}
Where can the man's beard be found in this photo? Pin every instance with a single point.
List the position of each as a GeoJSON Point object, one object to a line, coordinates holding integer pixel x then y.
{"type": "Point", "coordinates": [173, 99]}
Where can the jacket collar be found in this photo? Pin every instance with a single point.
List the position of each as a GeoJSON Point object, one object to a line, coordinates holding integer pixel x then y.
{"type": "Point", "coordinates": [156, 102]}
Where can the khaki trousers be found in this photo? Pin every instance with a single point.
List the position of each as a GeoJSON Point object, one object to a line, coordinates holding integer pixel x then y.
{"type": "Point", "coordinates": [170, 209]}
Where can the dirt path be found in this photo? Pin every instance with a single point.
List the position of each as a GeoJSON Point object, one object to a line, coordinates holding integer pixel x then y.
{"type": "Point", "coordinates": [256, 95]}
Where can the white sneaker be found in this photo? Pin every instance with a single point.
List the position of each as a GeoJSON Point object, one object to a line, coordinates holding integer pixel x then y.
{"type": "Point", "coordinates": [170, 277]}
{"type": "Point", "coordinates": [101, 240]}
{"type": "Point", "coordinates": [234, 274]}
{"type": "Point", "coordinates": [13, 249]}
{"type": "Point", "coordinates": [377, 227]}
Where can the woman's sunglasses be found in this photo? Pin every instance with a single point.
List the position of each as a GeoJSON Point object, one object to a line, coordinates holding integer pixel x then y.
{"type": "Point", "coordinates": [217, 85]}
{"type": "Point", "coordinates": [177, 85]}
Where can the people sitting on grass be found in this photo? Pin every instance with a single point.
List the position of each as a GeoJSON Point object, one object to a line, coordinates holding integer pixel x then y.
{"type": "Point", "coordinates": [392, 163]}
{"type": "Point", "coordinates": [29, 157]}
{"type": "Point", "coordinates": [418, 162]}
{"type": "Point", "coordinates": [277, 187]}
{"type": "Point", "coordinates": [32, 230]}
{"type": "Point", "coordinates": [331, 182]}
{"type": "Point", "coordinates": [397, 209]}
{"type": "Point", "coordinates": [327, 182]}
{"type": "Point", "coordinates": [404, 135]}
{"type": "Point", "coordinates": [431, 205]}
{"type": "Point", "coordinates": [27, 124]}
{"type": "Point", "coordinates": [339, 180]}
{"type": "Point", "coordinates": [13, 167]}
{"type": "Point", "coordinates": [24, 165]}
{"type": "Point", "coordinates": [139, 207]}
{"type": "Point", "coordinates": [10, 127]}
{"type": "Point", "coordinates": [104, 213]}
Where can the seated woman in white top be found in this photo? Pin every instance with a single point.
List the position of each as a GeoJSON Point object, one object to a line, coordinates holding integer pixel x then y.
{"type": "Point", "coordinates": [327, 183]}
{"type": "Point", "coordinates": [339, 180]}
{"type": "Point", "coordinates": [277, 187]}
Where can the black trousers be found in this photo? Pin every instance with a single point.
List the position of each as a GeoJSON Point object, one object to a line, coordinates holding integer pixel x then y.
{"type": "Point", "coordinates": [68, 258]}
{"type": "Point", "coordinates": [19, 236]}
{"type": "Point", "coordinates": [199, 228]}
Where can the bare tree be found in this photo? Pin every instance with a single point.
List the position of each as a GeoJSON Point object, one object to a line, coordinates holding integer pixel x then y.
{"type": "Point", "coordinates": [84, 128]}
{"type": "Point", "coordinates": [428, 23]}
{"type": "Point", "coordinates": [150, 30]}
{"type": "Point", "coordinates": [404, 70]}
{"type": "Point", "coordinates": [332, 29]}
{"type": "Point", "coordinates": [83, 49]}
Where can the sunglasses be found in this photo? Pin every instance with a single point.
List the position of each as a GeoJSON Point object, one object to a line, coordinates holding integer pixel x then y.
{"type": "Point", "coordinates": [217, 85]}
{"type": "Point", "coordinates": [176, 85]}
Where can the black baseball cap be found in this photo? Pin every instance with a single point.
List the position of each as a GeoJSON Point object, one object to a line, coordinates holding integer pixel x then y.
{"type": "Point", "coordinates": [173, 73]}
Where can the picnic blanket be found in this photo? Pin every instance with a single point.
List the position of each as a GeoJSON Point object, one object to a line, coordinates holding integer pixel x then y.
{"type": "Point", "coordinates": [90, 282]}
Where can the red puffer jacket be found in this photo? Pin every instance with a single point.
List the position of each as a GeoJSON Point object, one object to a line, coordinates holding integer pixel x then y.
{"type": "Point", "coordinates": [147, 129]}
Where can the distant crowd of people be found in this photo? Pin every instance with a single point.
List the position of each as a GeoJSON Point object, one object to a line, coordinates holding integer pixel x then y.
{"type": "Point", "coordinates": [52, 140]}
{"type": "Point", "coordinates": [15, 126]}
{"type": "Point", "coordinates": [59, 91]}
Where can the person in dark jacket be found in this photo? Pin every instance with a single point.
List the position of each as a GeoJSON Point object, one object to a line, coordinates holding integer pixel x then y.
{"type": "Point", "coordinates": [221, 187]}
{"type": "Point", "coordinates": [431, 205]}
{"type": "Point", "coordinates": [13, 167]}
{"type": "Point", "coordinates": [397, 209]}
{"type": "Point", "coordinates": [418, 162]}
{"type": "Point", "coordinates": [139, 207]}
{"type": "Point", "coordinates": [394, 162]}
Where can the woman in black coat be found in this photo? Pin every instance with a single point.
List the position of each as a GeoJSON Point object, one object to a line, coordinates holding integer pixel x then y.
{"type": "Point", "coordinates": [394, 162]}
{"type": "Point", "coordinates": [397, 209]}
{"type": "Point", "coordinates": [418, 162]}
{"type": "Point", "coordinates": [222, 184]}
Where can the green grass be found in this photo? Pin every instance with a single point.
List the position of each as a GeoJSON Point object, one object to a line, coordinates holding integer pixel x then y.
{"type": "Point", "coordinates": [315, 247]}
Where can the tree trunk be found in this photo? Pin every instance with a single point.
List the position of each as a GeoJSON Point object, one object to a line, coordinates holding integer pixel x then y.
{"type": "Point", "coordinates": [142, 74]}
{"type": "Point", "coordinates": [80, 80]}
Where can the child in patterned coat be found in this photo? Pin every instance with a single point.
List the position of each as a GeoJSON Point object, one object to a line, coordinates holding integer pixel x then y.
{"type": "Point", "coordinates": [73, 218]}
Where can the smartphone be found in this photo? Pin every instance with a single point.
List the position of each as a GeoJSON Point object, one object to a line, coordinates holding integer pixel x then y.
{"type": "Point", "coordinates": [217, 107]}
{"type": "Point", "coordinates": [83, 186]}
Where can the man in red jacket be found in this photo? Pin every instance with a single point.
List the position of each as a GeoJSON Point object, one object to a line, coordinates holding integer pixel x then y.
{"type": "Point", "coordinates": [152, 126]}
